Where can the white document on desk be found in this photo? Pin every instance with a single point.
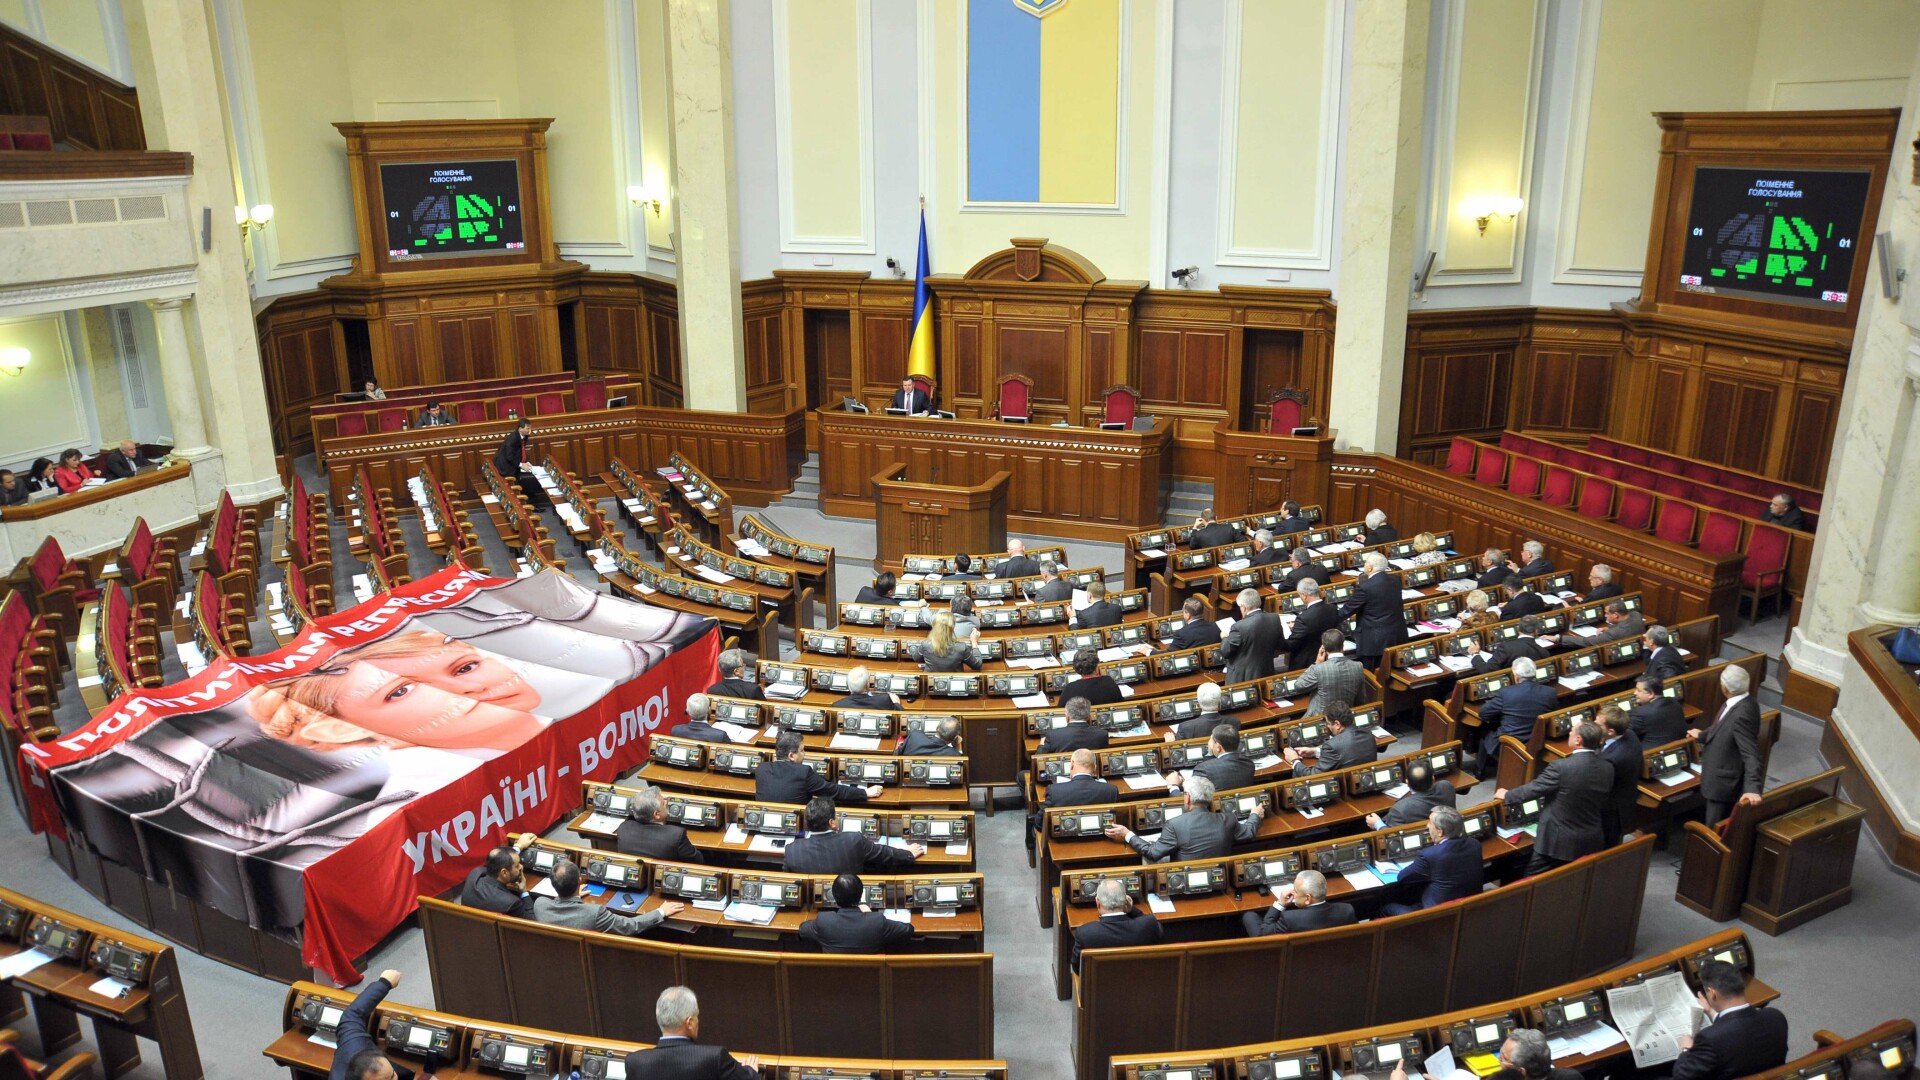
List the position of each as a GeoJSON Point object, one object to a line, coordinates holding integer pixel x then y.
{"type": "Point", "coordinates": [957, 848]}
{"type": "Point", "coordinates": [1158, 904]}
{"type": "Point", "coordinates": [898, 914]}
{"type": "Point", "coordinates": [20, 963]}
{"type": "Point", "coordinates": [736, 732]}
{"type": "Point", "coordinates": [1595, 1040]}
{"type": "Point", "coordinates": [1030, 701]}
{"type": "Point", "coordinates": [1266, 761]}
{"type": "Point", "coordinates": [1396, 791]}
{"type": "Point", "coordinates": [770, 845]}
{"type": "Point", "coordinates": [843, 741]}
{"type": "Point", "coordinates": [1456, 663]}
{"type": "Point", "coordinates": [1145, 781]}
{"type": "Point", "coordinates": [605, 823]}
{"type": "Point", "coordinates": [544, 887]}
{"type": "Point", "coordinates": [1363, 879]}
{"type": "Point", "coordinates": [1653, 1016]}
{"type": "Point", "coordinates": [734, 835]}
{"type": "Point", "coordinates": [1152, 553]}
{"type": "Point", "coordinates": [1441, 1066]}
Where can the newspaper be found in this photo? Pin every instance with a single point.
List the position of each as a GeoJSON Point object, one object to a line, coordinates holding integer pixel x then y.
{"type": "Point", "coordinates": [1653, 1016]}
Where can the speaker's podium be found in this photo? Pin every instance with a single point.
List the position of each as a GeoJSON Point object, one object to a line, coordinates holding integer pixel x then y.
{"type": "Point", "coordinates": [919, 516]}
{"type": "Point", "coordinates": [1256, 471]}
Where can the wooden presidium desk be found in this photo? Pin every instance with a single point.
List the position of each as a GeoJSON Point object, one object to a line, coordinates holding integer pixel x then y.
{"type": "Point", "coordinates": [1083, 482]}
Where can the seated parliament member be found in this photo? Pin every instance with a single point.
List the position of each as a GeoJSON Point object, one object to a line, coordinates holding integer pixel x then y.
{"type": "Point", "coordinates": [1081, 787]}
{"type": "Point", "coordinates": [435, 415]}
{"type": "Point", "coordinates": [13, 490]}
{"type": "Point", "coordinates": [788, 779]}
{"type": "Point", "coordinates": [861, 695]}
{"type": "Point", "coordinates": [1621, 625]}
{"type": "Point", "coordinates": [1740, 1039]}
{"type": "Point", "coordinates": [511, 461]}
{"type": "Point", "coordinates": [124, 461]}
{"type": "Point", "coordinates": [1200, 833]}
{"type": "Point", "coordinates": [1264, 553]}
{"type": "Point", "coordinates": [1623, 751]}
{"type": "Point", "coordinates": [1663, 656]}
{"type": "Point", "coordinates": [1299, 906]}
{"type": "Point", "coordinates": [1493, 569]}
{"type": "Point", "coordinates": [1476, 615]}
{"type": "Point", "coordinates": [1346, 745]}
{"type": "Point", "coordinates": [1079, 732]}
{"type": "Point", "coordinates": [943, 650]}
{"type": "Point", "coordinates": [1249, 646]}
{"type": "Point", "coordinates": [1521, 600]}
{"type": "Point", "coordinates": [567, 909]}
{"type": "Point", "coordinates": [1303, 568]}
{"type": "Point", "coordinates": [1332, 678]}
{"type": "Point", "coordinates": [1092, 685]}
{"type": "Point", "coordinates": [1310, 624]}
{"type": "Point", "coordinates": [495, 885]}
{"type": "Point", "coordinates": [1424, 795]}
{"type": "Point", "coordinates": [1533, 561]}
{"type": "Point", "coordinates": [696, 726]}
{"type": "Point", "coordinates": [1199, 631]}
{"type": "Point", "coordinates": [1293, 522]}
{"type": "Point", "coordinates": [1052, 588]}
{"type": "Point", "coordinates": [1209, 531]}
{"type": "Point", "coordinates": [1504, 653]}
{"type": "Point", "coordinates": [1527, 1053]}
{"type": "Point", "coordinates": [1600, 583]}
{"type": "Point", "coordinates": [911, 398]}
{"type": "Point", "coordinates": [1208, 697]}
{"type": "Point", "coordinates": [1513, 711]}
{"type": "Point", "coordinates": [1731, 766]}
{"type": "Point", "coordinates": [370, 391]}
{"type": "Point", "coordinates": [944, 741]}
{"type": "Point", "coordinates": [1099, 610]}
{"type": "Point", "coordinates": [1783, 512]}
{"type": "Point", "coordinates": [1655, 718]}
{"type": "Point", "coordinates": [963, 568]}
{"type": "Point", "coordinates": [40, 476]}
{"type": "Point", "coordinates": [1447, 869]}
{"type": "Point", "coordinates": [1226, 768]}
{"type": "Point", "coordinates": [736, 677]}
{"type": "Point", "coordinates": [966, 624]}
{"type": "Point", "coordinates": [1577, 790]}
{"type": "Point", "coordinates": [676, 1056]}
{"type": "Point", "coordinates": [827, 850]}
{"type": "Point", "coordinates": [880, 592]}
{"type": "Point", "coordinates": [1382, 623]}
{"type": "Point", "coordinates": [1120, 924]}
{"type": "Point", "coordinates": [357, 1054]}
{"type": "Point", "coordinates": [72, 473]}
{"type": "Point", "coordinates": [1016, 564]}
{"type": "Point", "coordinates": [1427, 550]}
{"type": "Point", "coordinates": [1378, 531]}
{"type": "Point", "coordinates": [648, 834]}
{"type": "Point", "coordinates": [853, 927]}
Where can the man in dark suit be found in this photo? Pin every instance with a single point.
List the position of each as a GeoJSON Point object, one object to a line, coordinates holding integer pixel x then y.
{"type": "Point", "coordinates": [853, 927]}
{"type": "Point", "coordinates": [911, 398]}
{"type": "Point", "coordinates": [1376, 604]}
{"type": "Point", "coordinates": [1521, 599]}
{"type": "Point", "coordinates": [1249, 646]}
{"type": "Point", "coordinates": [1731, 770]}
{"type": "Point", "coordinates": [124, 461]}
{"type": "Point", "coordinates": [1740, 1040]}
{"type": "Point", "coordinates": [1533, 560]}
{"type": "Point", "coordinates": [1199, 630]}
{"type": "Point", "coordinates": [1378, 531]}
{"type": "Point", "coordinates": [1333, 678]}
{"type": "Point", "coordinates": [1622, 624]}
{"type": "Point", "coordinates": [1092, 686]}
{"type": "Point", "coordinates": [1576, 790]}
{"type": "Point", "coordinates": [495, 885]}
{"type": "Point", "coordinates": [1200, 833]}
{"type": "Point", "coordinates": [1600, 583]}
{"type": "Point", "coordinates": [1663, 656]}
{"type": "Point", "coordinates": [879, 592]}
{"type": "Point", "coordinates": [1077, 733]}
{"type": "Point", "coordinates": [1310, 623]}
{"type": "Point", "coordinates": [1210, 532]}
{"type": "Point", "coordinates": [1781, 511]}
{"type": "Point", "coordinates": [963, 569]}
{"type": "Point", "coordinates": [825, 849]}
{"type": "Point", "coordinates": [1449, 868]}
{"type": "Point", "coordinates": [1346, 745]}
{"type": "Point", "coordinates": [1622, 751]}
{"type": "Point", "coordinates": [13, 489]}
{"type": "Point", "coordinates": [1208, 697]}
{"type": "Point", "coordinates": [1513, 711]}
{"type": "Point", "coordinates": [1299, 906]}
{"type": "Point", "coordinates": [1052, 589]}
{"type": "Point", "coordinates": [676, 1056]}
{"type": "Point", "coordinates": [1293, 522]}
{"type": "Point", "coordinates": [1119, 924]}
{"type": "Point", "coordinates": [1493, 569]}
{"type": "Point", "coordinates": [861, 695]}
{"type": "Point", "coordinates": [696, 726]}
{"type": "Point", "coordinates": [787, 779]}
{"type": "Point", "coordinates": [1264, 553]}
{"type": "Point", "coordinates": [943, 741]}
{"type": "Point", "coordinates": [515, 451]}
{"type": "Point", "coordinates": [1656, 719]}
{"type": "Point", "coordinates": [1527, 1053]}
{"type": "Point", "coordinates": [1504, 653]}
{"type": "Point", "coordinates": [357, 1054]}
{"type": "Point", "coordinates": [1225, 767]}
{"type": "Point", "coordinates": [736, 677]}
{"type": "Point", "coordinates": [648, 835]}
{"type": "Point", "coordinates": [1016, 564]}
{"type": "Point", "coordinates": [1424, 795]}
{"type": "Point", "coordinates": [1303, 568]}
{"type": "Point", "coordinates": [434, 415]}
{"type": "Point", "coordinates": [1080, 787]}
{"type": "Point", "coordinates": [1099, 610]}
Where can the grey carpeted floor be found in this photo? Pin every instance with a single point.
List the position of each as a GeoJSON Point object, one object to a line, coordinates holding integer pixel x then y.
{"type": "Point", "coordinates": [1845, 971]}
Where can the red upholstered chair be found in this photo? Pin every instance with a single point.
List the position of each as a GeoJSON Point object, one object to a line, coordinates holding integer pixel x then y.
{"type": "Point", "coordinates": [1492, 469]}
{"type": "Point", "coordinates": [925, 383]}
{"type": "Point", "coordinates": [1720, 534]}
{"type": "Point", "coordinates": [470, 412]}
{"type": "Point", "coordinates": [1523, 478]}
{"type": "Point", "coordinates": [1286, 410]}
{"type": "Point", "coordinates": [1624, 452]}
{"type": "Point", "coordinates": [1605, 467]}
{"type": "Point", "coordinates": [1122, 404]}
{"type": "Point", "coordinates": [1766, 571]}
{"type": "Point", "coordinates": [590, 394]}
{"type": "Point", "coordinates": [352, 423]}
{"type": "Point", "coordinates": [1677, 486]}
{"type": "Point", "coordinates": [549, 404]}
{"type": "Point", "coordinates": [505, 407]}
{"type": "Point", "coordinates": [1460, 457]}
{"type": "Point", "coordinates": [1016, 399]}
{"type": "Point", "coordinates": [1557, 490]}
{"type": "Point", "coordinates": [1700, 470]}
{"type": "Point", "coordinates": [392, 419]}
{"type": "Point", "coordinates": [1636, 508]}
{"type": "Point", "coordinates": [1675, 522]}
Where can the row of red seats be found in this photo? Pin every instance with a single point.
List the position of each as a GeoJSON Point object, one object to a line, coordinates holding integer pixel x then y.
{"type": "Point", "coordinates": [1700, 491]}
{"type": "Point", "coordinates": [29, 658]}
{"type": "Point", "coordinates": [419, 395]}
{"type": "Point", "coordinates": [219, 623]}
{"type": "Point", "coordinates": [1634, 508]}
{"type": "Point", "coordinates": [525, 533]}
{"type": "Point", "coordinates": [129, 645]}
{"type": "Point", "coordinates": [457, 539]}
{"type": "Point", "coordinates": [232, 552]}
{"type": "Point", "coordinates": [1806, 498]}
{"type": "Point", "coordinates": [149, 568]}
{"type": "Point", "coordinates": [55, 587]}
{"type": "Point", "coordinates": [385, 549]}
{"type": "Point", "coordinates": [309, 534]}
{"type": "Point", "coordinates": [361, 418]}
{"type": "Point", "coordinates": [306, 600]}
{"type": "Point", "coordinates": [25, 132]}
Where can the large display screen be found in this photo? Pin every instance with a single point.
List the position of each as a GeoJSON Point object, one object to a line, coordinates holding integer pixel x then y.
{"type": "Point", "coordinates": [447, 209]}
{"type": "Point", "coordinates": [1784, 235]}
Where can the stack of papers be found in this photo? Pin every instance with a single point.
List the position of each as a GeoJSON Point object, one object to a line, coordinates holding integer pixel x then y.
{"type": "Point", "coordinates": [1152, 553]}
{"type": "Point", "coordinates": [785, 691]}
{"type": "Point", "coordinates": [716, 576]}
{"type": "Point", "coordinates": [20, 963]}
{"type": "Point", "coordinates": [771, 845]}
{"type": "Point", "coordinates": [1030, 701]}
{"type": "Point", "coordinates": [600, 823]}
{"type": "Point", "coordinates": [736, 732]}
{"type": "Point", "coordinates": [1145, 781]}
{"type": "Point", "coordinates": [1158, 904]}
{"type": "Point", "coordinates": [1397, 791]}
{"type": "Point", "coordinates": [898, 914]}
{"type": "Point", "coordinates": [1424, 670]}
{"type": "Point", "coordinates": [734, 835]}
{"type": "Point", "coordinates": [754, 914]}
{"type": "Point", "coordinates": [1579, 682]}
{"type": "Point", "coordinates": [544, 887]}
{"type": "Point", "coordinates": [1595, 1040]}
{"type": "Point", "coordinates": [1456, 663]}
{"type": "Point", "coordinates": [844, 741]}
{"type": "Point", "coordinates": [1363, 879]}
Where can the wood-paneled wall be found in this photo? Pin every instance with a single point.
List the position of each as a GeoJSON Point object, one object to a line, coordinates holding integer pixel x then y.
{"type": "Point", "coordinates": [303, 355]}
{"type": "Point", "coordinates": [87, 110]}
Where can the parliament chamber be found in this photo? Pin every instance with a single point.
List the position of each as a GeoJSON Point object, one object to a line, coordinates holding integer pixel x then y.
{"type": "Point", "coordinates": [969, 540]}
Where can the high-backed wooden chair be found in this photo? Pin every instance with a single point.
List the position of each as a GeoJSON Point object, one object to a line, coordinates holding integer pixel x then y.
{"type": "Point", "coordinates": [1120, 404]}
{"type": "Point", "coordinates": [1016, 399]}
{"type": "Point", "coordinates": [1286, 409]}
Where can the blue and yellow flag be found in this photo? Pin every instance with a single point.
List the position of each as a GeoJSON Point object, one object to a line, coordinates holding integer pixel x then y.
{"type": "Point", "coordinates": [920, 349]}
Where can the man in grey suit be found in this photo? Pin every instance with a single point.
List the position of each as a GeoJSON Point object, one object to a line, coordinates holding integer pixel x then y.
{"type": "Point", "coordinates": [1052, 590]}
{"type": "Point", "coordinates": [1208, 697]}
{"type": "Point", "coordinates": [1200, 833]}
{"type": "Point", "coordinates": [1621, 624]}
{"type": "Point", "coordinates": [1730, 766]}
{"type": "Point", "coordinates": [1424, 793]}
{"type": "Point", "coordinates": [1577, 790]}
{"type": "Point", "coordinates": [1332, 678]}
{"type": "Point", "coordinates": [1250, 645]}
{"type": "Point", "coordinates": [1346, 745]}
{"type": "Point", "coordinates": [1225, 768]}
{"type": "Point", "coordinates": [567, 909]}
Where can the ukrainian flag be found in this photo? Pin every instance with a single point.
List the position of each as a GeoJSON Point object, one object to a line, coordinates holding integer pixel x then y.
{"type": "Point", "coordinates": [920, 349]}
{"type": "Point", "coordinates": [1043, 92]}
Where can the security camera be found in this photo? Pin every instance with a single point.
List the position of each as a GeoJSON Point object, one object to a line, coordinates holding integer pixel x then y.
{"type": "Point", "coordinates": [1187, 275]}
{"type": "Point", "coordinates": [894, 265]}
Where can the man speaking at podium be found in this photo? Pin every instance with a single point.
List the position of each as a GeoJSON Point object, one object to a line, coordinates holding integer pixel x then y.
{"type": "Point", "coordinates": [911, 398]}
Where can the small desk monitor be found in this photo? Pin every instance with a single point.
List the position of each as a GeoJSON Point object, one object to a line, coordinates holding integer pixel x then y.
{"type": "Point", "coordinates": [853, 405]}
{"type": "Point", "coordinates": [1307, 432]}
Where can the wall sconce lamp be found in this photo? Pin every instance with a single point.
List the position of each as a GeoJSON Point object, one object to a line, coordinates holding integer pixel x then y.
{"type": "Point", "coordinates": [14, 361]}
{"type": "Point", "coordinates": [1487, 207]}
{"type": "Point", "coordinates": [249, 220]}
{"type": "Point", "coordinates": [641, 197]}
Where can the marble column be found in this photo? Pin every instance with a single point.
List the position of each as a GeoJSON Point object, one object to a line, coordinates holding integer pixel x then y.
{"type": "Point", "coordinates": [177, 371]}
{"type": "Point", "coordinates": [1386, 104]}
{"type": "Point", "coordinates": [1893, 591]}
{"type": "Point", "coordinates": [182, 108]}
{"type": "Point", "coordinates": [706, 217]}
